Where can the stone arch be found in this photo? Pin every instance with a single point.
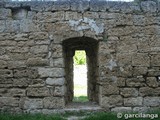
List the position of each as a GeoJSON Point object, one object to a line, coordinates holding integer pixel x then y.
{"type": "Point", "coordinates": [90, 45]}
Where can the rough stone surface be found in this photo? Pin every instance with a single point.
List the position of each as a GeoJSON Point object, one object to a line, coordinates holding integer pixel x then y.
{"type": "Point", "coordinates": [51, 72]}
{"type": "Point", "coordinates": [133, 101]}
{"type": "Point", "coordinates": [38, 41]}
{"type": "Point", "coordinates": [37, 92]}
{"type": "Point", "coordinates": [53, 102]}
{"type": "Point", "coordinates": [32, 104]}
{"type": "Point", "coordinates": [55, 81]}
{"type": "Point", "coordinates": [152, 101]}
{"type": "Point", "coordinates": [129, 92]}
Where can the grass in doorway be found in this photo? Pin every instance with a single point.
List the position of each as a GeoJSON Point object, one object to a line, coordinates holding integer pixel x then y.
{"type": "Point", "coordinates": [80, 99]}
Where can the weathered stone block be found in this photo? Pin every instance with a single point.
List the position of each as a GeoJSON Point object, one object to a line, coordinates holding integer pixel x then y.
{"type": "Point", "coordinates": [5, 13]}
{"type": "Point", "coordinates": [120, 31]}
{"type": "Point", "coordinates": [125, 71]}
{"type": "Point", "coordinates": [38, 35]}
{"type": "Point", "coordinates": [16, 92]}
{"type": "Point", "coordinates": [154, 72]}
{"type": "Point", "coordinates": [152, 82]}
{"type": "Point", "coordinates": [129, 92]}
{"type": "Point", "coordinates": [27, 25]}
{"type": "Point", "coordinates": [5, 73]}
{"type": "Point", "coordinates": [32, 103]}
{"type": "Point", "coordinates": [141, 109]}
{"type": "Point", "coordinates": [51, 72]}
{"type": "Point", "coordinates": [18, 49]}
{"type": "Point", "coordinates": [21, 82]}
{"type": "Point", "coordinates": [147, 91]}
{"type": "Point", "coordinates": [3, 64]}
{"type": "Point", "coordinates": [149, 6]}
{"type": "Point", "coordinates": [57, 50]}
{"type": "Point", "coordinates": [121, 82]}
{"type": "Point", "coordinates": [16, 64]}
{"type": "Point", "coordinates": [57, 62]}
{"type": "Point", "coordinates": [138, 71]}
{"type": "Point", "coordinates": [21, 37]}
{"type": "Point", "coordinates": [139, 20]}
{"type": "Point", "coordinates": [141, 59]}
{"type": "Point", "coordinates": [155, 60]}
{"type": "Point", "coordinates": [39, 49]}
{"type": "Point", "coordinates": [133, 101]}
{"type": "Point", "coordinates": [2, 24]}
{"type": "Point", "coordinates": [55, 81]}
{"type": "Point", "coordinates": [53, 102]}
{"type": "Point", "coordinates": [136, 82]}
{"type": "Point", "coordinates": [124, 59]}
{"type": "Point", "coordinates": [112, 101]}
{"type": "Point", "coordinates": [152, 101]}
{"type": "Point", "coordinates": [109, 90]}
{"type": "Point", "coordinates": [12, 26]}
{"type": "Point", "coordinates": [37, 62]}
{"type": "Point", "coordinates": [38, 92]}
{"type": "Point", "coordinates": [154, 41]}
{"type": "Point", "coordinates": [58, 91]}
{"type": "Point", "coordinates": [9, 101]}
{"type": "Point", "coordinates": [109, 47]}
{"type": "Point", "coordinates": [30, 73]}
{"type": "Point", "coordinates": [50, 16]}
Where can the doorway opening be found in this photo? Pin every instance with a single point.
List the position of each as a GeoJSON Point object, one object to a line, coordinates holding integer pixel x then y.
{"type": "Point", "coordinates": [80, 76]}
{"type": "Point", "coordinates": [90, 47]}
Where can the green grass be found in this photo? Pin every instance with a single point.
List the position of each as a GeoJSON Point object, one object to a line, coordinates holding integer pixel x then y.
{"type": "Point", "coordinates": [80, 99]}
{"type": "Point", "coordinates": [89, 116]}
{"type": "Point", "coordinates": [29, 117]}
{"type": "Point", "coordinates": [102, 116]}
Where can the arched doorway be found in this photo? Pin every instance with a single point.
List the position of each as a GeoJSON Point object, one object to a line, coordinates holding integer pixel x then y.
{"type": "Point", "coordinates": [90, 46]}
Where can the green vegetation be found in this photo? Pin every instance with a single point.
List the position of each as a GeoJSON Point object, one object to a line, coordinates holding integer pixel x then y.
{"type": "Point", "coordinates": [102, 116]}
{"type": "Point", "coordinates": [88, 116]}
{"type": "Point", "coordinates": [30, 117]}
{"type": "Point", "coordinates": [80, 57]}
{"type": "Point", "coordinates": [80, 99]}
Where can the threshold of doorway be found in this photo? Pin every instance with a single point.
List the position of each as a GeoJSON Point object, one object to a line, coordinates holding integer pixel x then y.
{"type": "Point", "coordinates": [83, 106]}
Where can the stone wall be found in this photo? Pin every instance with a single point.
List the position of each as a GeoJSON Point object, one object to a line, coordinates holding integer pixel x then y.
{"type": "Point", "coordinates": [38, 39]}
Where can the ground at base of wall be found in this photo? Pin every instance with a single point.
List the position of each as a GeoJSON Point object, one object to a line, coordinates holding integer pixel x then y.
{"type": "Point", "coordinates": [76, 116]}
